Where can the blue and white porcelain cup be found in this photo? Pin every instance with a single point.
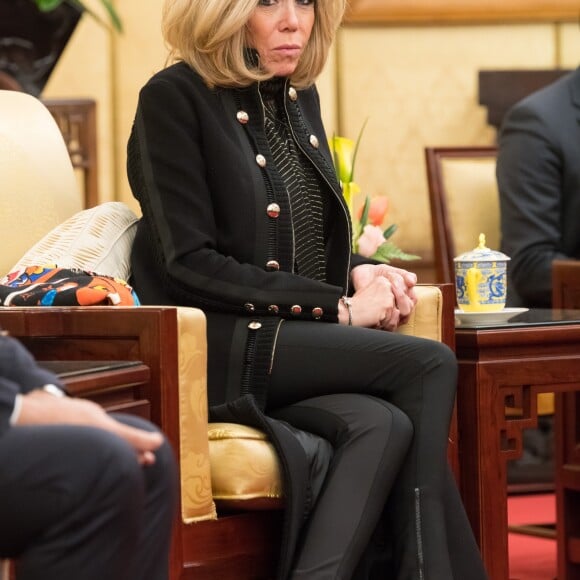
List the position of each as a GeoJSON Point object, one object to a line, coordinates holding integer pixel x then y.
{"type": "Point", "coordinates": [481, 279]}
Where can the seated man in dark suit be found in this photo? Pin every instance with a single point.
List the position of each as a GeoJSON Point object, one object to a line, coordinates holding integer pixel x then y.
{"type": "Point", "coordinates": [83, 495]}
{"type": "Point", "coordinates": [538, 174]}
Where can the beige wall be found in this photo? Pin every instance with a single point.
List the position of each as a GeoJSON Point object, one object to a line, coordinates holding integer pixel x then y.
{"type": "Point", "coordinates": [417, 85]}
{"type": "Point", "coordinates": [84, 71]}
{"type": "Point", "coordinates": [111, 68]}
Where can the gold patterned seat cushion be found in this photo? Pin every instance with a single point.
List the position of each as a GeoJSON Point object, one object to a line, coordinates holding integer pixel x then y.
{"type": "Point", "coordinates": [245, 470]}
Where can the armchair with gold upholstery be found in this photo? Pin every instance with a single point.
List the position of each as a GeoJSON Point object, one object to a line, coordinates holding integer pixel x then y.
{"type": "Point", "coordinates": [230, 487]}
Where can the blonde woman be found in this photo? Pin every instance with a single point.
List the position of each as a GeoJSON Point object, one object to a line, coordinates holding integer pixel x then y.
{"type": "Point", "coordinates": [243, 217]}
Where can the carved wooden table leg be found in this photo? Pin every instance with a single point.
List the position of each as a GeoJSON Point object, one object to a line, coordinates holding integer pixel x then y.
{"type": "Point", "coordinates": [568, 486]}
{"type": "Point", "coordinates": [501, 371]}
{"type": "Point", "coordinates": [489, 436]}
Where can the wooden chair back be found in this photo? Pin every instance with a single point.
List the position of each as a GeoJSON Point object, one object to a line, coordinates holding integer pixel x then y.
{"type": "Point", "coordinates": [464, 202]}
{"type": "Point", "coordinates": [566, 284]}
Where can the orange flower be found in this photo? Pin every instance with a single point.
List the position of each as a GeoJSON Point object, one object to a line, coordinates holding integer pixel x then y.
{"type": "Point", "coordinates": [378, 207]}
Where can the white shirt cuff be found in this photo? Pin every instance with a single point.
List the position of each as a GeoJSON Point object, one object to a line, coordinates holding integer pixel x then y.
{"type": "Point", "coordinates": [54, 390]}
{"type": "Point", "coordinates": [16, 410]}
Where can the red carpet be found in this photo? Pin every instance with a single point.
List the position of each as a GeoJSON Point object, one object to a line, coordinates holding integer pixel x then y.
{"type": "Point", "coordinates": [531, 558]}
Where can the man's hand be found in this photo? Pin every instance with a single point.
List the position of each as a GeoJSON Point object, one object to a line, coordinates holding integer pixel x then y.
{"type": "Point", "coordinates": [41, 408]}
{"type": "Point", "coordinates": [402, 284]}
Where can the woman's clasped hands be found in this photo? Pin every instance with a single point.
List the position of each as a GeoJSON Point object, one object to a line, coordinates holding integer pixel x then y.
{"type": "Point", "coordinates": [384, 297]}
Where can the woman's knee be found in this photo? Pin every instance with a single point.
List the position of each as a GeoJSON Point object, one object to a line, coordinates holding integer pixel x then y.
{"type": "Point", "coordinates": [402, 425]}
{"type": "Point", "coordinates": [447, 356]}
{"type": "Point", "coordinates": [384, 428]}
{"type": "Point", "coordinates": [394, 422]}
{"type": "Point", "coordinates": [431, 353]}
{"type": "Point", "coordinates": [378, 418]}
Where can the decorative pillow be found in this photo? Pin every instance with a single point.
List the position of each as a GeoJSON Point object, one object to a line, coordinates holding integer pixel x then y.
{"type": "Point", "coordinates": [98, 239]}
{"type": "Point", "coordinates": [53, 286]}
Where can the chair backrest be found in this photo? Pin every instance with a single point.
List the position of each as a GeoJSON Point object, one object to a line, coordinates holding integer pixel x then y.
{"type": "Point", "coordinates": [464, 202]}
{"type": "Point", "coordinates": [566, 284]}
{"type": "Point", "coordinates": [39, 188]}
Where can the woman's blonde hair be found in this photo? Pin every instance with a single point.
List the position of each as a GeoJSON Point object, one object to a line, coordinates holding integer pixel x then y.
{"type": "Point", "coordinates": [210, 36]}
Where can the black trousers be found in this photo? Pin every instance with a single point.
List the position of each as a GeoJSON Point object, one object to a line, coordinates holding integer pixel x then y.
{"type": "Point", "coordinates": [416, 500]}
{"type": "Point", "coordinates": [75, 504]}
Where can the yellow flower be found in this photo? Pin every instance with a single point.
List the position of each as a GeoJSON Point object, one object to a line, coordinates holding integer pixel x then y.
{"type": "Point", "coordinates": [343, 150]}
{"type": "Point", "coordinates": [344, 153]}
{"type": "Point", "coordinates": [349, 191]}
{"type": "Point", "coordinates": [368, 240]}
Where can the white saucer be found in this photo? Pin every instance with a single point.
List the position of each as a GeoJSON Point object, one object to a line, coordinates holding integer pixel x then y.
{"type": "Point", "coordinates": [495, 317]}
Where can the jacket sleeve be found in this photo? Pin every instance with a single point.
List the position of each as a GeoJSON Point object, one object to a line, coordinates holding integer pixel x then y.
{"type": "Point", "coordinates": [529, 177]}
{"type": "Point", "coordinates": [19, 373]}
{"type": "Point", "coordinates": [176, 156]}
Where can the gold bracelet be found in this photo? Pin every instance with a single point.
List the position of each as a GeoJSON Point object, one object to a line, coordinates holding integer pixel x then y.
{"type": "Point", "coordinates": [348, 303]}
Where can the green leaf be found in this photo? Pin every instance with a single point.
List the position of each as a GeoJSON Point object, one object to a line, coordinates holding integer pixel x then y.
{"type": "Point", "coordinates": [115, 20]}
{"type": "Point", "coordinates": [389, 251]}
{"type": "Point", "coordinates": [365, 213]}
{"type": "Point", "coordinates": [356, 148]}
{"type": "Point", "coordinates": [390, 231]}
{"type": "Point", "coordinates": [335, 157]}
{"type": "Point", "coordinates": [48, 5]}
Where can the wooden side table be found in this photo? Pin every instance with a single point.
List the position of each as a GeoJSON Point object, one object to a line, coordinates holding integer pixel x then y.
{"type": "Point", "coordinates": [501, 367]}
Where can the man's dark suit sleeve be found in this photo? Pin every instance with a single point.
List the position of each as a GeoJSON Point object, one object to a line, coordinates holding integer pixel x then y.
{"type": "Point", "coordinates": [8, 392]}
{"type": "Point", "coordinates": [539, 184]}
{"type": "Point", "coordinates": [19, 373]}
{"type": "Point", "coordinates": [529, 174]}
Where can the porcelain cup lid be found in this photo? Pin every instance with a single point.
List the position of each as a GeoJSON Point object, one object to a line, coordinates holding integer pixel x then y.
{"type": "Point", "coordinates": [482, 254]}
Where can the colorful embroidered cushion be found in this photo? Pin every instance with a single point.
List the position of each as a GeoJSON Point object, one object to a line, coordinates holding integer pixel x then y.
{"type": "Point", "coordinates": [53, 286]}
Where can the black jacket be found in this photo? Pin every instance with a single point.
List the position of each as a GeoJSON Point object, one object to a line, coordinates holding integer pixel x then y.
{"type": "Point", "coordinates": [217, 234]}
{"type": "Point", "coordinates": [206, 238]}
{"type": "Point", "coordinates": [538, 172]}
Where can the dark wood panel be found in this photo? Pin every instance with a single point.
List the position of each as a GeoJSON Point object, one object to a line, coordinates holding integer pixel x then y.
{"type": "Point", "coordinates": [252, 539]}
{"type": "Point", "coordinates": [77, 121]}
{"type": "Point", "coordinates": [501, 89]}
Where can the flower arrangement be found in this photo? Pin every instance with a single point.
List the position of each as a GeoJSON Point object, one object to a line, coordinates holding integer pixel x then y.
{"type": "Point", "coordinates": [369, 239]}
